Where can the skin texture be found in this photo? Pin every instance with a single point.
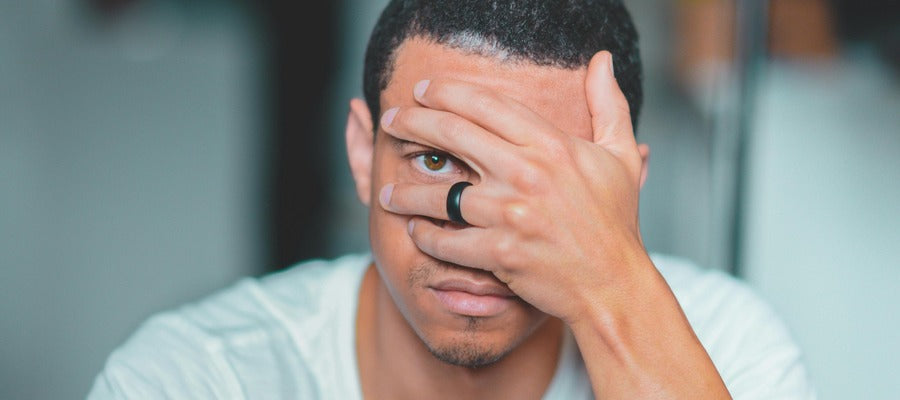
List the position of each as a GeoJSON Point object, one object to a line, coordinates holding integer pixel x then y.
{"type": "Point", "coordinates": [554, 226]}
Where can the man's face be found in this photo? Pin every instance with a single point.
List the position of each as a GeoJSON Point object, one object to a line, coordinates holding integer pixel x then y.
{"type": "Point", "coordinates": [462, 338]}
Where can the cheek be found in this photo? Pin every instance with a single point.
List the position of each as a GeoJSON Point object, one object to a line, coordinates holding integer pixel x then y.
{"type": "Point", "coordinates": [394, 251]}
{"type": "Point", "coordinates": [391, 245]}
{"type": "Point", "coordinates": [395, 257]}
{"type": "Point", "coordinates": [387, 231]}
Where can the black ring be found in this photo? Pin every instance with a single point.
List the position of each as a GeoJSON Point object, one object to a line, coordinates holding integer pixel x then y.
{"type": "Point", "coordinates": [453, 202]}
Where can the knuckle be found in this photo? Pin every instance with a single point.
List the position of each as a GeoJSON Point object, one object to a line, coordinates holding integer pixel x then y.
{"type": "Point", "coordinates": [405, 198]}
{"type": "Point", "coordinates": [440, 249]}
{"type": "Point", "coordinates": [450, 94]}
{"type": "Point", "coordinates": [525, 220]}
{"type": "Point", "coordinates": [505, 251]}
{"type": "Point", "coordinates": [404, 202]}
{"type": "Point", "coordinates": [437, 92]}
{"type": "Point", "coordinates": [620, 126]}
{"type": "Point", "coordinates": [451, 128]}
{"type": "Point", "coordinates": [516, 214]}
{"type": "Point", "coordinates": [403, 118]}
{"type": "Point", "coordinates": [529, 179]}
{"type": "Point", "coordinates": [483, 101]}
{"type": "Point", "coordinates": [558, 149]}
{"type": "Point", "coordinates": [621, 105]}
{"type": "Point", "coordinates": [436, 203]}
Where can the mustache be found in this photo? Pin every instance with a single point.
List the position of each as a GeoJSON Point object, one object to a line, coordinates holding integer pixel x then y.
{"type": "Point", "coordinates": [421, 274]}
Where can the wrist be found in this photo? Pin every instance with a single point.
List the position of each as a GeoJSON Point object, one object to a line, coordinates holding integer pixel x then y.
{"type": "Point", "coordinates": [630, 290]}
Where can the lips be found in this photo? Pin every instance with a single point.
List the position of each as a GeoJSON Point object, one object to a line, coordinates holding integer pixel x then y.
{"type": "Point", "coordinates": [473, 299]}
{"type": "Point", "coordinates": [475, 288]}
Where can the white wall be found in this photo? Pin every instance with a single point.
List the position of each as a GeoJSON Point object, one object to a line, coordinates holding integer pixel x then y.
{"type": "Point", "coordinates": [823, 224]}
{"type": "Point", "coordinates": [129, 178]}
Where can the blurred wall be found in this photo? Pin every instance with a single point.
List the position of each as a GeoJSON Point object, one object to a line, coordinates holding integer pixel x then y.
{"type": "Point", "coordinates": [129, 177]}
{"type": "Point", "coordinates": [823, 217]}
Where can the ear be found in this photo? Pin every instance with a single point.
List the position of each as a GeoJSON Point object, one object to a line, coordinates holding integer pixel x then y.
{"type": "Point", "coordinates": [361, 148]}
{"type": "Point", "coordinates": [644, 149]}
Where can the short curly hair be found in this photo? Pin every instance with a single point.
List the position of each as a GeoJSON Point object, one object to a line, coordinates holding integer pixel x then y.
{"type": "Point", "coordinates": [558, 33]}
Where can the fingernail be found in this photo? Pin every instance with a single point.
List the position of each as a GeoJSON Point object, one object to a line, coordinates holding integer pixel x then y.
{"type": "Point", "coordinates": [420, 88]}
{"type": "Point", "coordinates": [385, 195]}
{"type": "Point", "coordinates": [388, 117]}
{"type": "Point", "coordinates": [611, 69]}
{"type": "Point", "coordinates": [410, 226]}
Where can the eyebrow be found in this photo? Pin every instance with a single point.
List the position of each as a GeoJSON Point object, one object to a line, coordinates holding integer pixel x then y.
{"type": "Point", "coordinates": [400, 145]}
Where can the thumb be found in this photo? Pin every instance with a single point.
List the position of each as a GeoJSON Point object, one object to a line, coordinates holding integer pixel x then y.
{"type": "Point", "coordinates": [610, 115]}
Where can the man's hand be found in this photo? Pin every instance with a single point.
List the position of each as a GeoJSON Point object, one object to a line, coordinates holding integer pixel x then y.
{"type": "Point", "coordinates": [554, 216]}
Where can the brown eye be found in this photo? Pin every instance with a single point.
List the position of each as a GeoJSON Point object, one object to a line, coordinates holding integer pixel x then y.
{"type": "Point", "coordinates": [435, 162]}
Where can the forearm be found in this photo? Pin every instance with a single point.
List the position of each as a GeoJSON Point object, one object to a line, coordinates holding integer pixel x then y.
{"type": "Point", "coordinates": [637, 343]}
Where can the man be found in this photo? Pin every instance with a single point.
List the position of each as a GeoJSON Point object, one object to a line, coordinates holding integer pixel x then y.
{"type": "Point", "coordinates": [497, 156]}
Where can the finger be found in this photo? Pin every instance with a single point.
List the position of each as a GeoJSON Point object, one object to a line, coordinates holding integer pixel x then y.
{"type": "Point", "coordinates": [464, 247]}
{"type": "Point", "coordinates": [451, 133]}
{"type": "Point", "coordinates": [477, 208]}
{"type": "Point", "coordinates": [610, 114]}
{"type": "Point", "coordinates": [497, 113]}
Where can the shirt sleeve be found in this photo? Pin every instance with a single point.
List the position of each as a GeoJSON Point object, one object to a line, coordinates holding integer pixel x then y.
{"type": "Point", "coordinates": [751, 346]}
{"type": "Point", "coordinates": [165, 359]}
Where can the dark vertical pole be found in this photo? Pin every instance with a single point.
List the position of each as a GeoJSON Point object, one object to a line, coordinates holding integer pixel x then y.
{"type": "Point", "coordinates": [301, 40]}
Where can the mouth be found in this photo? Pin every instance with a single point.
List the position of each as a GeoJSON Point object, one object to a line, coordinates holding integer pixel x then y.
{"type": "Point", "coordinates": [472, 298]}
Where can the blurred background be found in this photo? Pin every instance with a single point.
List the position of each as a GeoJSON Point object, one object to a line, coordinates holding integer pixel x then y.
{"type": "Point", "coordinates": [154, 151]}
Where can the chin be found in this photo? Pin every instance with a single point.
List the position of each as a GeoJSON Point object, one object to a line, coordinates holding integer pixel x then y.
{"type": "Point", "coordinates": [467, 353]}
{"type": "Point", "coordinates": [448, 332]}
{"type": "Point", "coordinates": [473, 342]}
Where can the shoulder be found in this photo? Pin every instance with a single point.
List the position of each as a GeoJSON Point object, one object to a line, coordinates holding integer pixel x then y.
{"type": "Point", "coordinates": [259, 334]}
{"type": "Point", "coordinates": [747, 341]}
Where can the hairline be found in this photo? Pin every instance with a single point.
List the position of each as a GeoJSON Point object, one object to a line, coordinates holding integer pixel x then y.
{"type": "Point", "coordinates": [468, 44]}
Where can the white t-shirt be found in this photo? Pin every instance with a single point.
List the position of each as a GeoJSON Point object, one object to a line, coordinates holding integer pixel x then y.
{"type": "Point", "coordinates": [290, 335]}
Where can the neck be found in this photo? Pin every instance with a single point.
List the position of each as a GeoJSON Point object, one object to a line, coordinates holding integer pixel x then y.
{"type": "Point", "coordinates": [395, 363]}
